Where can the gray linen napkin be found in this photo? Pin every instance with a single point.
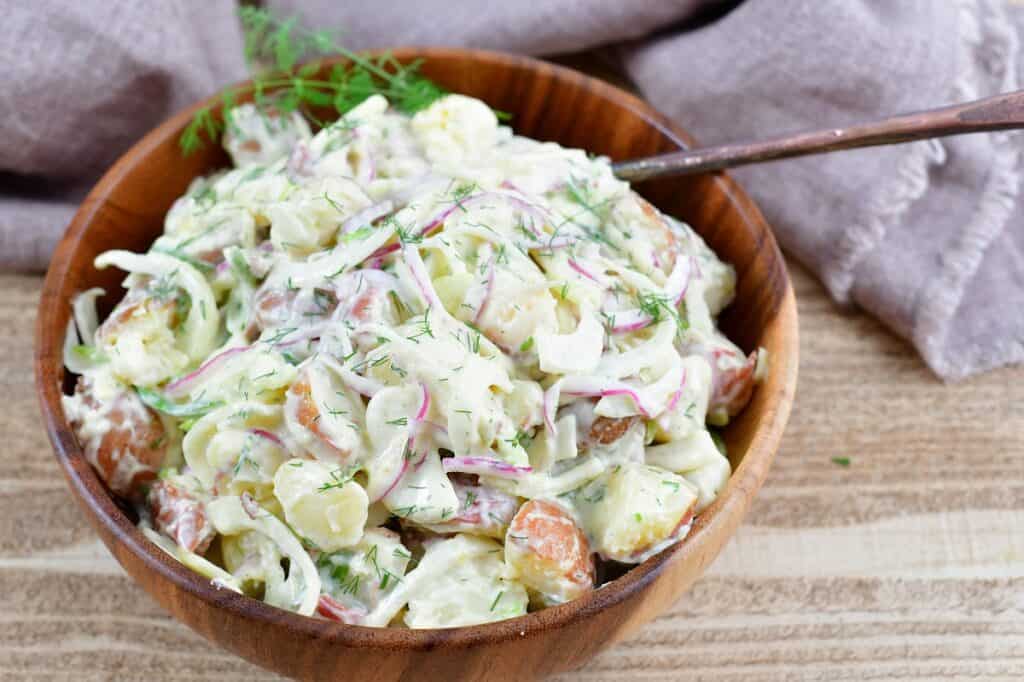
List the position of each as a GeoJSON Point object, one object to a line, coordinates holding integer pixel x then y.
{"type": "Point", "coordinates": [927, 236]}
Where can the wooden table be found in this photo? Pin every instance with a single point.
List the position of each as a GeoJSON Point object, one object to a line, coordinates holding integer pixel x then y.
{"type": "Point", "coordinates": [906, 564]}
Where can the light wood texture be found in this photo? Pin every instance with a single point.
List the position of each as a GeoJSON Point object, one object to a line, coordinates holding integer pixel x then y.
{"type": "Point", "coordinates": [126, 209]}
{"type": "Point", "coordinates": [907, 565]}
{"type": "Point", "coordinates": [1001, 112]}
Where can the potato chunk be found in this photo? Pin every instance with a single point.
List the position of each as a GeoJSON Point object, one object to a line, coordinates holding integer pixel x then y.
{"type": "Point", "coordinates": [637, 510]}
{"type": "Point", "coordinates": [123, 439]}
{"type": "Point", "coordinates": [549, 552]}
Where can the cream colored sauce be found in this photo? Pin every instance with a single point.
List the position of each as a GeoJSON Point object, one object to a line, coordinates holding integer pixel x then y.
{"type": "Point", "coordinates": [445, 288]}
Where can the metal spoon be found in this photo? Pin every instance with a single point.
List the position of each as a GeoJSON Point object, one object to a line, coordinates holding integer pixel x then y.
{"type": "Point", "coordinates": [1001, 112]}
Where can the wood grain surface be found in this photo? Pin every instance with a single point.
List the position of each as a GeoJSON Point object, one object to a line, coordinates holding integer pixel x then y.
{"type": "Point", "coordinates": [907, 564]}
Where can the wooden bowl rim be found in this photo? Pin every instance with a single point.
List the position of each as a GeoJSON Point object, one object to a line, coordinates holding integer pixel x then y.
{"type": "Point", "coordinates": [726, 512]}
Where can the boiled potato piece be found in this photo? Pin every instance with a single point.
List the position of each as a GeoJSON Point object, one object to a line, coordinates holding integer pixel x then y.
{"type": "Point", "coordinates": [468, 584]}
{"type": "Point", "coordinates": [635, 510]}
{"type": "Point", "coordinates": [323, 504]}
{"type": "Point", "coordinates": [549, 552]}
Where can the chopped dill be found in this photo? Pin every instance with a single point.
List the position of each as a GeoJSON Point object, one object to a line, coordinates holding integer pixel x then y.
{"type": "Point", "coordinates": [351, 585]}
{"type": "Point", "coordinates": [522, 439]}
{"type": "Point", "coordinates": [339, 479]}
{"type": "Point", "coordinates": [658, 307]}
{"type": "Point", "coordinates": [423, 327]}
{"type": "Point", "coordinates": [287, 86]}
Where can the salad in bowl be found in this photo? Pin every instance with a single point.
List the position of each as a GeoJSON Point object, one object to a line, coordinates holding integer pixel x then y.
{"type": "Point", "coordinates": [410, 370]}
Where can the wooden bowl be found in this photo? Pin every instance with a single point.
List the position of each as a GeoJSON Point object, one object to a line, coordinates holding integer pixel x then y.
{"type": "Point", "coordinates": [126, 210]}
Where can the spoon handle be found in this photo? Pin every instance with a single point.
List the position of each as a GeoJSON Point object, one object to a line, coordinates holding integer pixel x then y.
{"type": "Point", "coordinates": [1001, 112]}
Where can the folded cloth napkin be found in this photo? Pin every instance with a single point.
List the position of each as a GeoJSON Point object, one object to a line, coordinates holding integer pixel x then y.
{"type": "Point", "coordinates": [927, 236]}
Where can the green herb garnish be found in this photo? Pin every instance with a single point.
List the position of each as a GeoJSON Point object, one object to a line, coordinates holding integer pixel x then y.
{"type": "Point", "coordinates": [281, 45]}
{"type": "Point", "coordinates": [161, 403]}
{"type": "Point", "coordinates": [90, 354]}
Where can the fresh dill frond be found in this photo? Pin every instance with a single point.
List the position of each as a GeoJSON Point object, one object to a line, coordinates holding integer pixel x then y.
{"type": "Point", "coordinates": [203, 122]}
{"type": "Point", "coordinates": [164, 287]}
{"type": "Point", "coordinates": [520, 439]}
{"type": "Point", "coordinates": [274, 50]}
{"type": "Point", "coordinates": [339, 479]}
{"type": "Point", "coordinates": [658, 308]}
{"type": "Point", "coordinates": [422, 326]}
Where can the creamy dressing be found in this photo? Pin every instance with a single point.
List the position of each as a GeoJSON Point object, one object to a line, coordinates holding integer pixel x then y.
{"type": "Point", "coordinates": [423, 322]}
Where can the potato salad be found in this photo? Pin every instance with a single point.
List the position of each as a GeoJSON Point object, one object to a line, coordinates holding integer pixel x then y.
{"type": "Point", "coordinates": [410, 371]}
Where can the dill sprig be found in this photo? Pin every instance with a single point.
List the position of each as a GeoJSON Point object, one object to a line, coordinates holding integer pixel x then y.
{"type": "Point", "coordinates": [285, 85]}
{"type": "Point", "coordinates": [658, 307]}
{"type": "Point", "coordinates": [339, 479]}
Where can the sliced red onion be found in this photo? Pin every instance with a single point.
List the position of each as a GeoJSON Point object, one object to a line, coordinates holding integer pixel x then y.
{"type": "Point", "coordinates": [376, 259]}
{"type": "Point", "coordinates": [437, 221]}
{"type": "Point", "coordinates": [182, 386]}
{"type": "Point", "coordinates": [599, 387]}
{"type": "Point", "coordinates": [367, 216]}
{"type": "Point", "coordinates": [485, 466]}
{"type": "Point", "coordinates": [675, 289]}
{"type": "Point", "coordinates": [525, 206]}
{"type": "Point", "coordinates": [623, 390]}
{"type": "Point", "coordinates": [629, 321]}
{"type": "Point", "coordinates": [679, 392]}
{"type": "Point", "coordinates": [331, 609]}
{"type": "Point", "coordinates": [425, 405]}
{"type": "Point", "coordinates": [267, 435]}
{"type": "Point", "coordinates": [399, 477]}
{"type": "Point", "coordinates": [583, 271]}
{"type": "Point", "coordinates": [509, 185]}
{"type": "Point", "coordinates": [421, 460]}
{"type": "Point", "coordinates": [482, 510]}
{"type": "Point", "coordinates": [415, 423]}
{"type": "Point", "coordinates": [517, 201]}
